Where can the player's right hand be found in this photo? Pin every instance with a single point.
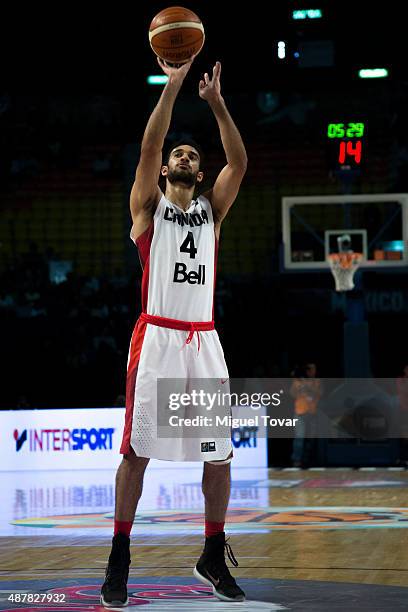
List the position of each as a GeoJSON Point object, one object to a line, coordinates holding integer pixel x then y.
{"type": "Point", "coordinates": [176, 75]}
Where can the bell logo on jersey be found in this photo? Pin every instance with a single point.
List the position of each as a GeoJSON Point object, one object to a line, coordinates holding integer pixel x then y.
{"type": "Point", "coordinates": [192, 278]}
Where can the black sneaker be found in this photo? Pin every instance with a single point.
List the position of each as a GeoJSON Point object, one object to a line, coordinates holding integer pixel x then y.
{"type": "Point", "coordinates": [212, 570]}
{"type": "Point", "coordinates": [114, 589]}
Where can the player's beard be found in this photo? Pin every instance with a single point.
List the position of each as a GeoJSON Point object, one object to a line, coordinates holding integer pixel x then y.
{"type": "Point", "coordinates": [189, 179]}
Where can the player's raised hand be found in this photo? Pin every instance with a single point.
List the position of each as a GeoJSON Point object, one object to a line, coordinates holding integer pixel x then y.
{"type": "Point", "coordinates": [210, 89]}
{"type": "Point", "coordinates": [176, 74]}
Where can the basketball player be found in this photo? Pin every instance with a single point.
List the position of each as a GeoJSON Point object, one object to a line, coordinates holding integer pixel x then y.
{"type": "Point", "coordinates": [177, 238]}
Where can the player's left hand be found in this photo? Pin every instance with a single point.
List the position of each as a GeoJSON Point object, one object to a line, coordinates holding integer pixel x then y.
{"type": "Point", "coordinates": [210, 89]}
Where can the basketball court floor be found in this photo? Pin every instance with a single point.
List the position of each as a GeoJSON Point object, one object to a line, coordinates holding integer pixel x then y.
{"type": "Point", "coordinates": [318, 539]}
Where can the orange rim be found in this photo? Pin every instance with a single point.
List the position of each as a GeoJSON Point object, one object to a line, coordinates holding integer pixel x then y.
{"type": "Point", "coordinates": [346, 260]}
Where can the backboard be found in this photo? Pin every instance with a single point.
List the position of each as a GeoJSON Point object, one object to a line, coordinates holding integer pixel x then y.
{"type": "Point", "coordinates": [376, 224]}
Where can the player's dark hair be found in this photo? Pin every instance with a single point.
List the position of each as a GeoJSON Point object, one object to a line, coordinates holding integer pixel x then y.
{"type": "Point", "coordinates": [183, 141]}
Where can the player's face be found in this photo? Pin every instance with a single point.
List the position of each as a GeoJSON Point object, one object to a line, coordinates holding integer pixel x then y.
{"type": "Point", "coordinates": [183, 166]}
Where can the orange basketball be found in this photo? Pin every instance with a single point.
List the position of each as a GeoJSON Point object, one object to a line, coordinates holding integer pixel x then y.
{"type": "Point", "coordinates": [175, 34]}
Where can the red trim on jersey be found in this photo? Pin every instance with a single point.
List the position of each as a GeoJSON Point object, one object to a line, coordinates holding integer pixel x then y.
{"type": "Point", "coordinates": [145, 284]}
{"type": "Point", "coordinates": [135, 350]}
{"type": "Point", "coordinates": [143, 244]}
{"type": "Point", "coordinates": [215, 268]}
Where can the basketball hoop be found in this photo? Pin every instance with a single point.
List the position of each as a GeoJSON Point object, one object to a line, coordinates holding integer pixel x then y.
{"type": "Point", "coordinates": [343, 267]}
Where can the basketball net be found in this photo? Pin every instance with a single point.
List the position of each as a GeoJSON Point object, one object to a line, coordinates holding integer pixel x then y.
{"type": "Point", "coordinates": [343, 267]}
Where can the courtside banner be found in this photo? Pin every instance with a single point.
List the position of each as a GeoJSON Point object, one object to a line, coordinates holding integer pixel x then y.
{"type": "Point", "coordinates": [60, 439]}
{"type": "Point", "coordinates": [90, 438]}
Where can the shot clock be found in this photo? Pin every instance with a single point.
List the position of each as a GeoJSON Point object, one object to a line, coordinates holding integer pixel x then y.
{"type": "Point", "coordinates": [347, 139]}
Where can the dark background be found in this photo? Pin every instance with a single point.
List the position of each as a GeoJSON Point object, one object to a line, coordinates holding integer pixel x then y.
{"type": "Point", "coordinates": [74, 93]}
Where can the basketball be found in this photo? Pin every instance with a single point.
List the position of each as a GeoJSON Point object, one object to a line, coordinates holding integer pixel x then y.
{"type": "Point", "coordinates": [175, 34]}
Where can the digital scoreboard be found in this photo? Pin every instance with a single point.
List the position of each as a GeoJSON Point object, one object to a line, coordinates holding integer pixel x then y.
{"type": "Point", "coordinates": [347, 139]}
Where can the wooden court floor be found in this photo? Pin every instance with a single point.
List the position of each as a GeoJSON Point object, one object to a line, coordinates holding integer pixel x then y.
{"type": "Point", "coordinates": [346, 526]}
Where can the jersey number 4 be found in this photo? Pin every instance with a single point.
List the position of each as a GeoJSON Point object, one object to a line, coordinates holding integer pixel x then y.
{"type": "Point", "coordinates": [188, 246]}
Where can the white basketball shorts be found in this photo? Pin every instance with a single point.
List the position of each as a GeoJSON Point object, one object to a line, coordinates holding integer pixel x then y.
{"type": "Point", "coordinates": [183, 351]}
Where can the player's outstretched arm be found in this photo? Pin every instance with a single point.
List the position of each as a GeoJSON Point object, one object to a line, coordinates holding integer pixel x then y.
{"type": "Point", "coordinates": [145, 192]}
{"type": "Point", "coordinates": [226, 187]}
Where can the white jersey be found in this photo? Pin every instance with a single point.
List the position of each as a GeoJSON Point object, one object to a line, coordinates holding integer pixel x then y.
{"type": "Point", "coordinates": [178, 252]}
{"type": "Point", "coordinates": [178, 255]}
